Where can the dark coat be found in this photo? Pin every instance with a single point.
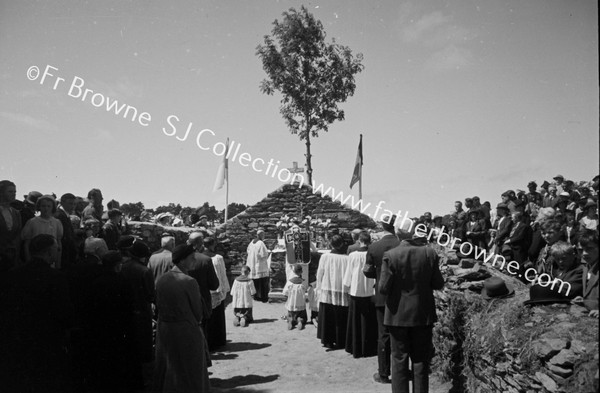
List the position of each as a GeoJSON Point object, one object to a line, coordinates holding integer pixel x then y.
{"type": "Point", "coordinates": [206, 277]}
{"type": "Point", "coordinates": [590, 288]}
{"type": "Point", "coordinates": [69, 248]}
{"type": "Point", "coordinates": [520, 239]}
{"type": "Point", "coordinates": [478, 231]}
{"type": "Point", "coordinates": [503, 228]}
{"type": "Point", "coordinates": [140, 281]}
{"type": "Point", "coordinates": [374, 257]}
{"type": "Point", "coordinates": [36, 302]}
{"type": "Point", "coordinates": [575, 278]}
{"type": "Point", "coordinates": [9, 240]}
{"type": "Point", "coordinates": [409, 274]}
{"type": "Point", "coordinates": [111, 234]}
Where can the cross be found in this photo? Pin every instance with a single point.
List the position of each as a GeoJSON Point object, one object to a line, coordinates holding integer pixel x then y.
{"type": "Point", "coordinates": [295, 169]}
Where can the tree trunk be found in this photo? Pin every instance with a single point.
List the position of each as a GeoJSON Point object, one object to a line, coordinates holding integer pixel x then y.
{"type": "Point", "coordinates": [308, 156]}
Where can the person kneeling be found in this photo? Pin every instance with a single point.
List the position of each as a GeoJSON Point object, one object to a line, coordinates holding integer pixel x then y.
{"type": "Point", "coordinates": [295, 289]}
{"type": "Point", "coordinates": [242, 291]}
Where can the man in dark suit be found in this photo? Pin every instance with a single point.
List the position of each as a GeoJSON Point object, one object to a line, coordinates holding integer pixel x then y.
{"type": "Point", "coordinates": [373, 270]}
{"type": "Point", "coordinates": [69, 247]}
{"type": "Point", "coordinates": [355, 246]}
{"type": "Point", "coordinates": [409, 274]}
{"type": "Point", "coordinates": [204, 273]}
{"type": "Point", "coordinates": [518, 240]}
{"type": "Point", "coordinates": [503, 225]}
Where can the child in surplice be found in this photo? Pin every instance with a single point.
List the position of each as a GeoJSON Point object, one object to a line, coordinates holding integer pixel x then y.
{"type": "Point", "coordinates": [295, 290]}
{"type": "Point", "coordinates": [241, 292]}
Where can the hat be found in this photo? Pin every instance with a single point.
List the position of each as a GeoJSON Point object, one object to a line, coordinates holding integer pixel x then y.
{"type": "Point", "coordinates": [564, 194]}
{"type": "Point", "coordinates": [437, 218]}
{"type": "Point", "coordinates": [474, 211]}
{"type": "Point", "coordinates": [468, 199]}
{"type": "Point", "coordinates": [181, 252]}
{"type": "Point", "coordinates": [495, 287]}
{"type": "Point", "coordinates": [569, 182]}
{"type": "Point", "coordinates": [544, 295]}
{"type": "Point", "coordinates": [202, 216]}
{"type": "Point", "coordinates": [531, 184]}
{"type": "Point", "coordinates": [502, 206]}
{"type": "Point", "coordinates": [590, 203]}
{"type": "Point", "coordinates": [545, 184]}
{"type": "Point", "coordinates": [139, 249]}
{"type": "Point", "coordinates": [111, 258]}
{"type": "Point", "coordinates": [32, 197]}
{"type": "Point", "coordinates": [114, 213]}
{"type": "Point", "coordinates": [561, 177]}
{"type": "Point", "coordinates": [387, 223]}
{"type": "Point", "coordinates": [125, 242]}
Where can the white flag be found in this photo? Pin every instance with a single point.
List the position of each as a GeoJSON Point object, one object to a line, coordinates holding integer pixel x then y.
{"type": "Point", "coordinates": [222, 173]}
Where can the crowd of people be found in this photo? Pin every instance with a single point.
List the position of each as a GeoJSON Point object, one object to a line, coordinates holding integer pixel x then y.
{"type": "Point", "coordinates": [95, 305]}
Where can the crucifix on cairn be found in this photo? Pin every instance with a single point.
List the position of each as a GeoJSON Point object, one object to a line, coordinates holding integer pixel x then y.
{"type": "Point", "coordinates": [295, 169]}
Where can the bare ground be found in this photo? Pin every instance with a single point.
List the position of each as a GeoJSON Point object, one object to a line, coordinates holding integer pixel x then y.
{"type": "Point", "coordinates": [266, 357]}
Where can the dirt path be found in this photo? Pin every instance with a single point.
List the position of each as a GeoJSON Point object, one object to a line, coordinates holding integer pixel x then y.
{"type": "Point", "coordinates": [266, 357]}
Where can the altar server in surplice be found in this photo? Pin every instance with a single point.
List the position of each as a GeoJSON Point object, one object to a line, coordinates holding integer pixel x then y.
{"type": "Point", "coordinates": [361, 334]}
{"type": "Point", "coordinates": [333, 301]}
{"type": "Point", "coordinates": [257, 261]}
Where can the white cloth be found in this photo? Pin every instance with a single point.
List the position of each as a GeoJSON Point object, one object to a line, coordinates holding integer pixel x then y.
{"type": "Point", "coordinates": [360, 286]}
{"type": "Point", "coordinates": [330, 275]}
{"type": "Point", "coordinates": [295, 290]}
{"type": "Point", "coordinates": [241, 292]}
{"type": "Point", "coordinates": [258, 254]}
{"type": "Point", "coordinates": [220, 293]}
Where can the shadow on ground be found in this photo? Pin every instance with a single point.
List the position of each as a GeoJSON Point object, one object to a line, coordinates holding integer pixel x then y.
{"type": "Point", "coordinates": [244, 346]}
{"type": "Point", "coordinates": [237, 383]}
{"type": "Point", "coordinates": [223, 356]}
{"type": "Point", "coordinates": [264, 320]}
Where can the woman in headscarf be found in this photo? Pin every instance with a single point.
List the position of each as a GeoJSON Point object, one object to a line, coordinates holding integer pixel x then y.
{"type": "Point", "coordinates": [181, 356]}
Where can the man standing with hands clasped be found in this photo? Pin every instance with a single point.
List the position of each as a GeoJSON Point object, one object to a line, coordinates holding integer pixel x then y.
{"type": "Point", "coordinates": [409, 274]}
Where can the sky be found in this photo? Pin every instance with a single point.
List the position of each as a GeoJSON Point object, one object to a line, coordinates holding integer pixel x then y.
{"type": "Point", "coordinates": [457, 98]}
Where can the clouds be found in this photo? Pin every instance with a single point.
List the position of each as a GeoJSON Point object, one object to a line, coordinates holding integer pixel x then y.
{"type": "Point", "coordinates": [446, 43]}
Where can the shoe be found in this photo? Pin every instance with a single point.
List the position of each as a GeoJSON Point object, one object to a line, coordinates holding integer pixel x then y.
{"type": "Point", "coordinates": [381, 379]}
{"type": "Point", "coordinates": [300, 323]}
{"type": "Point", "coordinates": [236, 322]}
{"type": "Point", "coordinates": [290, 324]}
{"type": "Point", "coordinates": [243, 322]}
{"type": "Point", "coordinates": [315, 322]}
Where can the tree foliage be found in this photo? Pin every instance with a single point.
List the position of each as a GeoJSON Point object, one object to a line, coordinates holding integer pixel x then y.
{"type": "Point", "coordinates": [132, 209]}
{"type": "Point", "coordinates": [233, 210]}
{"type": "Point", "coordinates": [313, 76]}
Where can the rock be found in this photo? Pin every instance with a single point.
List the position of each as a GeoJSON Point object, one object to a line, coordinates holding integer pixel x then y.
{"type": "Point", "coordinates": [528, 324]}
{"type": "Point", "coordinates": [563, 317]}
{"type": "Point", "coordinates": [545, 348]}
{"type": "Point", "coordinates": [564, 327]}
{"type": "Point", "coordinates": [546, 381]}
{"type": "Point", "coordinates": [578, 311]}
{"type": "Point", "coordinates": [578, 347]}
{"type": "Point", "coordinates": [467, 263]}
{"type": "Point", "coordinates": [561, 372]}
{"type": "Point", "coordinates": [565, 358]}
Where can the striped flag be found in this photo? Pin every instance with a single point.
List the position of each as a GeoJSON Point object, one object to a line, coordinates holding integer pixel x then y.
{"type": "Point", "coordinates": [222, 173]}
{"type": "Point", "coordinates": [356, 176]}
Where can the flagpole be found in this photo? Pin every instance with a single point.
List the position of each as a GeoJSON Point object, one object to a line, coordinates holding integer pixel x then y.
{"type": "Point", "coordinates": [227, 189]}
{"type": "Point", "coordinates": [360, 172]}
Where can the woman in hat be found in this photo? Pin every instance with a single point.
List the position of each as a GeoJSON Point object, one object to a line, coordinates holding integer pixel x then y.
{"type": "Point", "coordinates": [551, 233]}
{"type": "Point", "coordinates": [181, 355]}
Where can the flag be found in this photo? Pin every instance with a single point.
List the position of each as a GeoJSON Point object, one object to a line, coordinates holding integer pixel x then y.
{"type": "Point", "coordinates": [222, 173]}
{"type": "Point", "coordinates": [357, 166]}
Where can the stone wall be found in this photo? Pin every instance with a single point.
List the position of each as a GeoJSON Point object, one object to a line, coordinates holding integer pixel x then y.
{"type": "Point", "coordinates": [288, 200]}
{"type": "Point", "coordinates": [504, 346]}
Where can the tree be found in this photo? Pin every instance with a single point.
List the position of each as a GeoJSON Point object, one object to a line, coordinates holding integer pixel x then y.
{"type": "Point", "coordinates": [209, 211]}
{"type": "Point", "coordinates": [232, 210]}
{"type": "Point", "coordinates": [132, 209]}
{"type": "Point", "coordinates": [312, 75]}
